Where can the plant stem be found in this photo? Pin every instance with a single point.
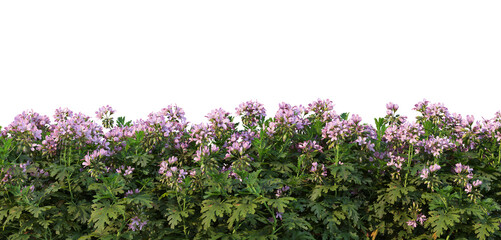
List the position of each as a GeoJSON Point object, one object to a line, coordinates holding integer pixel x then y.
{"type": "Point", "coordinates": [409, 160]}
{"type": "Point", "coordinates": [337, 154]}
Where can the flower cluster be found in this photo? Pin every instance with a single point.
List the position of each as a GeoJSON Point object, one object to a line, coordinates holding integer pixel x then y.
{"type": "Point", "coordinates": [237, 145]}
{"type": "Point", "coordinates": [426, 171]}
{"type": "Point", "coordinates": [436, 145]}
{"type": "Point", "coordinates": [126, 172]}
{"type": "Point", "coordinates": [132, 192]}
{"type": "Point", "coordinates": [95, 155]}
{"type": "Point", "coordinates": [251, 112]}
{"type": "Point", "coordinates": [136, 223]}
{"type": "Point", "coordinates": [282, 191]}
{"type": "Point", "coordinates": [404, 135]}
{"type": "Point", "coordinates": [231, 174]}
{"type": "Point", "coordinates": [318, 171]}
{"type": "Point", "coordinates": [74, 129]}
{"type": "Point", "coordinates": [200, 133]}
{"type": "Point", "coordinates": [309, 146]}
{"type": "Point", "coordinates": [322, 110]}
{"type": "Point", "coordinates": [219, 121]}
{"type": "Point", "coordinates": [395, 160]}
{"type": "Point", "coordinates": [420, 218]}
{"type": "Point", "coordinates": [204, 152]}
{"type": "Point", "coordinates": [435, 112]}
{"type": "Point", "coordinates": [173, 174]}
{"type": "Point", "coordinates": [291, 117]}
{"type": "Point", "coordinates": [104, 114]}
{"type": "Point", "coordinates": [350, 131]}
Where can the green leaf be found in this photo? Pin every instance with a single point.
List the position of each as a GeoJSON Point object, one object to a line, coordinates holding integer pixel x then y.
{"type": "Point", "coordinates": [395, 191]}
{"type": "Point", "coordinates": [103, 214]}
{"type": "Point", "coordinates": [141, 199]}
{"type": "Point", "coordinates": [80, 211]}
{"type": "Point", "coordinates": [241, 210]}
{"type": "Point", "coordinates": [484, 229]}
{"type": "Point", "coordinates": [317, 191]}
{"type": "Point", "coordinates": [142, 160]}
{"type": "Point", "coordinates": [14, 213]}
{"type": "Point", "coordinates": [280, 203]}
{"type": "Point", "coordinates": [292, 220]}
{"type": "Point", "coordinates": [174, 217]}
{"type": "Point", "coordinates": [441, 221]}
{"type": "Point", "coordinates": [345, 115]}
{"type": "Point", "coordinates": [318, 209]}
{"type": "Point", "coordinates": [211, 209]}
{"type": "Point", "coordinates": [36, 210]}
{"type": "Point", "coordinates": [45, 223]}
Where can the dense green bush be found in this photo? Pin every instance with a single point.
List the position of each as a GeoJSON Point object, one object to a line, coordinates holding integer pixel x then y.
{"type": "Point", "coordinates": [307, 173]}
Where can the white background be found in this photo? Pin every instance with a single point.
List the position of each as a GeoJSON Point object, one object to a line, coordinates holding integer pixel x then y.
{"type": "Point", "coordinates": [141, 56]}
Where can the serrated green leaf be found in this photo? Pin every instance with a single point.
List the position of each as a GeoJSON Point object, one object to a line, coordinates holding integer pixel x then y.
{"type": "Point", "coordinates": [280, 203]}
{"type": "Point", "coordinates": [292, 220]}
{"type": "Point", "coordinates": [45, 223]}
{"type": "Point", "coordinates": [14, 213]}
{"type": "Point", "coordinates": [102, 214]}
{"type": "Point", "coordinates": [484, 229]}
{"type": "Point", "coordinates": [211, 209]}
{"type": "Point", "coordinates": [142, 160]}
{"type": "Point", "coordinates": [174, 217]}
{"type": "Point", "coordinates": [36, 210]}
{"type": "Point", "coordinates": [141, 199]}
{"type": "Point", "coordinates": [241, 210]}
{"type": "Point", "coordinates": [441, 221]}
{"type": "Point", "coordinates": [80, 211]}
{"type": "Point", "coordinates": [318, 209]}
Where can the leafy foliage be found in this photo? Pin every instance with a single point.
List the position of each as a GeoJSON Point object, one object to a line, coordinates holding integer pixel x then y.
{"type": "Point", "coordinates": [306, 173]}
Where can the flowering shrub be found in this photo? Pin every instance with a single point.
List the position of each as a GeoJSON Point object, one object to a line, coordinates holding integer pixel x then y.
{"type": "Point", "coordinates": [306, 173]}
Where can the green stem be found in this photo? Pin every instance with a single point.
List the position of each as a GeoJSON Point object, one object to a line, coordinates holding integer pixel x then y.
{"type": "Point", "coordinates": [337, 154]}
{"type": "Point", "coordinates": [69, 187]}
{"type": "Point", "coordinates": [409, 160]}
{"type": "Point", "coordinates": [499, 154]}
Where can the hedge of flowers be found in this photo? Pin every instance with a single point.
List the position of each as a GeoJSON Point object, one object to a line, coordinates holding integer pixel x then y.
{"type": "Point", "coordinates": [306, 173]}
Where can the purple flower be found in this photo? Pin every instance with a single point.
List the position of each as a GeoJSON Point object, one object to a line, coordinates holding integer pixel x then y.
{"type": "Point", "coordinates": [320, 107]}
{"type": "Point", "coordinates": [163, 167]}
{"type": "Point", "coordinates": [459, 168]}
{"type": "Point", "coordinates": [391, 108]}
{"type": "Point", "coordinates": [421, 218]}
{"type": "Point", "coordinates": [424, 173]}
{"type": "Point", "coordinates": [219, 119]}
{"type": "Point", "coordinates": [128, 171]}
{"type": "Point", "coordinates": [468, 188]}
{"type": "Point", "coordinates": [131, 192]}
{"type": "Point", "coordinates": [103, 111]}
{"type": "Point", "coordinates": [290, 117]}
{"type": "Point", "coordinates": [172, 160]}
{"type": "Point", "coordinates": [434, 167]}
{"type": "Point", "coordinates": [412, 223]}
{"type": "Point", "coordinates": [309, 146]}
{"type": "Point", "coordinates": [279, 215]}
{"type": "Point", "coordinates": [281, 191]}
{"type": "Point", "coordinates": [136, 222]}
{"type": "Point", "coordinates": [477, 183]}
{"type": "Point", "coordinates": [314, 167]}
{"type": "Point", "coordinates": [251, 112]}
{"type": "Point", "coordinates": [86, 162]}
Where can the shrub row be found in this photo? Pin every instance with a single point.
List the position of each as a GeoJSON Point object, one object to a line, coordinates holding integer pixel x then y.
{"type": "Point", "coordinates": [306, 173]}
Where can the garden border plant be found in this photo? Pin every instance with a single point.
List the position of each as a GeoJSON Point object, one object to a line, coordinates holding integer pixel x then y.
{"type": "Point", "coordinates": [306, 173]}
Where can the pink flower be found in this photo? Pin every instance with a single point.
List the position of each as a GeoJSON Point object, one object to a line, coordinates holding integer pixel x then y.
{"type": "Point", "coordinates": [477, 183]}
{"type": "Point", "coordinates": [412, 223]}
{"type": "Point", "coordinates": [424, 173]}
{"type": "Point", "coordinates": [421, 218]}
